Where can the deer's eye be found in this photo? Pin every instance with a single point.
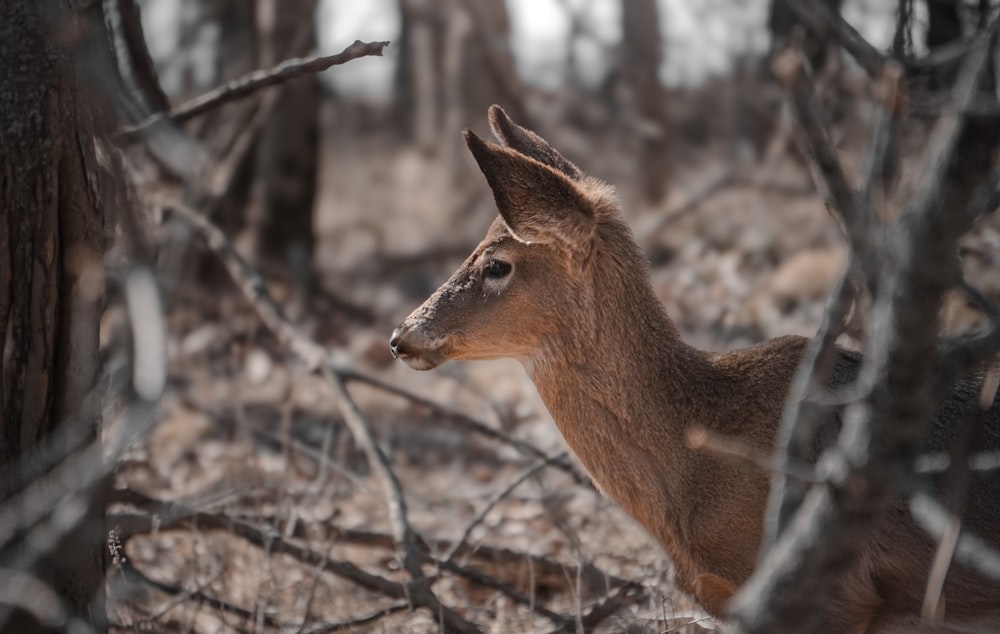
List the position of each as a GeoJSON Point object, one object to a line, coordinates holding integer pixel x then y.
{"type": "Point", "coordinates": [496, 269]}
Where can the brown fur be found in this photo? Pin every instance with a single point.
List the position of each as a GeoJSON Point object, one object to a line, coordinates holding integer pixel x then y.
{"type": "Point", "coordinates": [578, 311]}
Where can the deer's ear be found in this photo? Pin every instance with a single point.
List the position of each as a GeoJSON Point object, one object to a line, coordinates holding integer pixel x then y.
{"type": "Point", "coordinates": [528, 143]}
{"type": "Point", "coordinates": [538, 203]}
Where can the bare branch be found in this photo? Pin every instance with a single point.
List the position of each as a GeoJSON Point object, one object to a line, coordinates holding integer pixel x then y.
{"type": "Point", "coordinates": [24, 590]}
{"type": "Point", "coordinates": [882, 163]}
{"type": "Point", "coordinates": [970, 550]}
{"type": "Point", "coordinates": [352, 624]}
{"type": "Point", "coordinates": [800, 420]}
{"type": "Point", "coordinates": [465, 422]}
{"type": "Point", "coordinates": [182, 595]}
{"type": "Point", "coordinates": [701, 439]}
{"type": "Point", "coordinates": [932, 608]}
{"type": "Point", "coordinates": [393, 491]}
{"type": "Point", "coordinates": [493, 501]}
{"type": "Point", "coordinates": [791, 69]}
{"type": "Point", "coordinates": [250, 83]}
{"type": "Point", "coordinates": [603, 609]}
{"type": "Point", "coordinates": [829, 25]}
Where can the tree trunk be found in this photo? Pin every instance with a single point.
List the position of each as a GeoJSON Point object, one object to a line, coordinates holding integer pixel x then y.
{"type": "Point", "coordinates": [288, 149]}
{"type": "Point", "coordinates": [488, 74]}
{"type": "Point", "coordinates": [419, 77]}
{"type": "Point", "coordinates": [645, 95]}
{"type": "Point", "coordinates": [54, 195]}
{"type": "Point", "coordinates": [455, 63]}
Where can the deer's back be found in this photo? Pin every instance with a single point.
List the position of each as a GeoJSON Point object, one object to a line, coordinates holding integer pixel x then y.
{"type": "Point", "coordinates": [885, 590]}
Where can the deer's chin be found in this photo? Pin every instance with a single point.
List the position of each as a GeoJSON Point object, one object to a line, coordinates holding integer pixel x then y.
{"type": "Point", "coordinates": [421, 362]}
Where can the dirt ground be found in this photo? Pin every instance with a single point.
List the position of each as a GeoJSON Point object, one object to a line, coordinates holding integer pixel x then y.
{"type": "Point", "coordinates": [246, 436]}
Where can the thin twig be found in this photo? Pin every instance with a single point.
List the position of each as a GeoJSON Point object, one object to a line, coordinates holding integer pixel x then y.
{"type": "Point", "coordinates": [465, 422]}
{"type": "Point", "coordinates": [971, 550]}
{"type": "Point", "coordinates": [318, 574]}
{"type": "Point", "coordinates": [353, 624]}
{"type": "Point", "coordinates": [828, 25]}
{"type": "Point", "coordinates": [701, 439]}
{"type": "Point", "coordinates": [22, 589]}
{"type": "Point", "coordinates": [379, 463]}
{"type": "Point", "coordinates": [932, 606]}
{"type": "Point", "coordinates": [482, 579]}
{"type": "Point", "coordinates": [706, 190]}
{"type": "Point", "coordinates": [250, 83]}
{"type": "Point", "coordinates": [493, 501]}
{"type": "Point", "coordinates": [602, 609]}
{"type": "Point", "coordinates": [882, 160]}
{"type": "Point", "coordinates": [181, 595]}
{"type": "Point", "coordinates": [791, 68]}
{"type": "Point", "coordinates": [800, 418]}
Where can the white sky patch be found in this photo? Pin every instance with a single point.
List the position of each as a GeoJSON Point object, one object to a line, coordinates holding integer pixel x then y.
{"type": "Point", "coordinates": [876, 21]}
{"type": "Point", "coordinates": [701, 38]}
{"type": "Point", "coordinates": [340, 22]}
{"type": "Point", "coordinates": [539, 29]}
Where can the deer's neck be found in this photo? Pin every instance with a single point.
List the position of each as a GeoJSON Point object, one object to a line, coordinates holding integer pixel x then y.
{"type": "Point", "coordinates": [623, 390]}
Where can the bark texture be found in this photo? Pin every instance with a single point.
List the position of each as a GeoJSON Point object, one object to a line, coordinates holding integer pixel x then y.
{"type": "Point", "coordinates": [288, 150]}
{"type": "Point", "coordinates": [52, 201]}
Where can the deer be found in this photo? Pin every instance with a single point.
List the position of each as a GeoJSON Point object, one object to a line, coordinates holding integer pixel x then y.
{"type": "Point", "coordinates": [560, 284]}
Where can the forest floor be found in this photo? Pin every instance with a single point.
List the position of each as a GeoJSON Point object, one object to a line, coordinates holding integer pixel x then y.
{"type": "Point", "coordinates": [251, 450]}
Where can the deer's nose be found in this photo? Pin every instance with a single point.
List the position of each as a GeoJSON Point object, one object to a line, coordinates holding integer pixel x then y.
{"type": "Point", "coordinates": [395, 343]}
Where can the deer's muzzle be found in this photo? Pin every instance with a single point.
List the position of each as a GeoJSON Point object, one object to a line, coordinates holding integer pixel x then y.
{"type": "Point", "coordinates": [411, 347]}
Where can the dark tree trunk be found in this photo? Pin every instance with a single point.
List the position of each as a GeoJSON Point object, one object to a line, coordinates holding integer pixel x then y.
{"type": "Point", "coordinates": [455, 62]}
{"type": "Point", "coordinates": [420, 76]}
{"type": "Point", "coordinates": [53, 199]}
{"type": "Point", "coordinates": [488, 74]}
{"type": "Point", "coordinates": [224, 130]}
{"type": "Point", "coordinates": [403, 79]}
{"type": "Point", "coordinates": [640, 59]}
{"type": "Point", "coordinates": [288, 149]}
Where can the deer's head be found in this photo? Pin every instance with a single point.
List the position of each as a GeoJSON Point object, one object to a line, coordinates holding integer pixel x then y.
{"type": "Point", "coordinates": [528, 284]}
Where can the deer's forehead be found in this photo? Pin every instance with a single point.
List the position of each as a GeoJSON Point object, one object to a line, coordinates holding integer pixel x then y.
{"type": "Point", "coordinates": [497, 232]}
{"type": "Point", "coordinates": [497, 238]}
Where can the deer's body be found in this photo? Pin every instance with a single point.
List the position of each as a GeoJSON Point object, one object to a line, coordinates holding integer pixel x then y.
{"type": "Point", "coordinates": [560, 284]}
